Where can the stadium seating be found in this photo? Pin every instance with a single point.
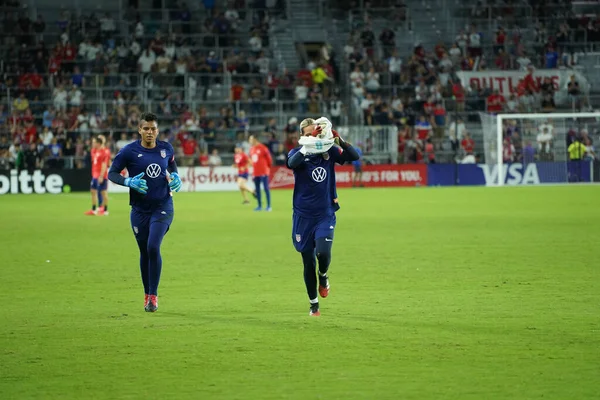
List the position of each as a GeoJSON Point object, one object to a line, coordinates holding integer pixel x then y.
{"type": "Point", "coordinates": [216, 72]}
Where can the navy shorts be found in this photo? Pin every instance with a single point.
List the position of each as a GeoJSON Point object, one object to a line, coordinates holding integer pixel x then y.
{"type": "Point", "coordinates": [141, 220]}
{"type": "Point", "coordinates": [94, 185]}
{"type": "Point", "coordinates": [243, 176]}
{"type": "Point", "coordinates": [357, 167]}
{"type": "Point", "coordinates": [305, 231]}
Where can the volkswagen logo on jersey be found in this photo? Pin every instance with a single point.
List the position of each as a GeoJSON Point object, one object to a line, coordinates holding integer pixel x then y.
{"type": "Point", "coordinates": [319, 174]}
{"type": "Point", "coordinates": [163, 153]}
{"type": "Point", "coordinates": [153, 170]}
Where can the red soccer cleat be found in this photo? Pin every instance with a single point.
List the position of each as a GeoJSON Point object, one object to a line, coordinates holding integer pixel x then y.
{"type": "Point", "coordinates": [90, 212]}
{"type": "Point", "coordinates": [152, 304]}
{"type": "Point", "coordinates": [323, 285]}
{"type": "Point", "coordinates": [323, 291]}
{"type": "Point", "coordinates": [100, 211]}
{"type": "Point", "coordinates": [314, 310]}
{"type": "Point", "coordinates": [146, 300]}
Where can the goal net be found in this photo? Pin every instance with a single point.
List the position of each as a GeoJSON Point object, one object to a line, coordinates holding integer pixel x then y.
{"type": "Point", "coordinates": [525, 149]}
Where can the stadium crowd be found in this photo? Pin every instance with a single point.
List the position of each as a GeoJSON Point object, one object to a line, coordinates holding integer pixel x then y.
{"type": "Point", "coordinates": [416, 93]}
{"type": "Point", "coordinates": [89, 80]}
{"type": "Point", "coordinates": [53, 87]}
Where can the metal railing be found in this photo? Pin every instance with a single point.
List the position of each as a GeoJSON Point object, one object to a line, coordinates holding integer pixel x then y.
{"type": "Point", "coordinates": [379, 145]}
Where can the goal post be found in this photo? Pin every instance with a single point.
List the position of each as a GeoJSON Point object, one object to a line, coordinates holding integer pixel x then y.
{"type": "Point", "coordinates": [521, 149]}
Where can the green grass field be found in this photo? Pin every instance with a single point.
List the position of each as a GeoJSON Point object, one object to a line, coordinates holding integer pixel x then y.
{"type": "Point", "coordinates": [437, 293]}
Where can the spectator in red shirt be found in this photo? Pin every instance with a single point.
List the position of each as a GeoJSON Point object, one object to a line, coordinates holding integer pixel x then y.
{"type": "Point", "coordinates": [237, 91]}
{"type": "Point", "coordinates": [35, 80]}
{"type": "Point", "coordinates": [186, 114]}
{"type": "Point", "coordinates": [403, 137]}
{"type": "Point", "coordinates": [429, 150]}
{"type": "Point", "coordinates": [204, 158]}
{"type": "Point", "coordinates": [14, 120]}
{"type": "Point", "coordinates": [305, 76]}
{"type": "Point", "coordinates": [495, 103]}
{"type": "Point", "coordinates": [27, 116]}
{"type": "Point", "coordinates": [69, 52]}
{"type": "Point", "coordinates": [54, 63]}
{"type": "Point", "coordinates": [530, 82]}
{"type": "Point", "coordinates": [189, 146]}
{"type": "Point", "coordinates": [521, 88]}
{"type": "Point", "coordinates": [429, 106]}
{"type": "Point", "coordinates": [467, 144]}
{"type": "Point", "coordinates": [499, 40]}
{"type": "Point", "coordinates": [273, 83]}
{"type": "Point", "coordinates": [30, 132]}
{"type": "Point", "coordinates": [458, 91]}
{"type": "Point", "coordinates": [439, 119]}
{"type": "Point", "coordinates": [440, 50]}
{"type": "Point", "coordinates": [23, 81]}
{"type": "Point", "coordinates": [502, 60]}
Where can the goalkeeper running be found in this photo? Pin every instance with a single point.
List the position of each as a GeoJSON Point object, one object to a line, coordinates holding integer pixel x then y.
{"type": "Point", "coordinates": [315, 200]}
{"type": "Point", "coordinates": [151, 163]}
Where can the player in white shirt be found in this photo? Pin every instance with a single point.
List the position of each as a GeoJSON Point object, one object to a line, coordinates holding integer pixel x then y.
{"type": "Point", "coordinates": [544, 140]}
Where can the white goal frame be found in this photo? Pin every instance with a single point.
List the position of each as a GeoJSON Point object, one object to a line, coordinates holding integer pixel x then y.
{"type": "Point", "coordinates": [500, 134]}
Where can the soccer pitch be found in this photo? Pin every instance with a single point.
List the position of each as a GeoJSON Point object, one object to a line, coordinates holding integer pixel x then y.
{"type": "Point", "coordinates": [437, 293]}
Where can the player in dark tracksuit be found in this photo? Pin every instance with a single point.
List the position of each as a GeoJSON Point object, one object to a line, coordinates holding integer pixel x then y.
{"type": "Point", "coordinates": [314, 205]}
{"type": "Point", "coordinates": [148, 161]}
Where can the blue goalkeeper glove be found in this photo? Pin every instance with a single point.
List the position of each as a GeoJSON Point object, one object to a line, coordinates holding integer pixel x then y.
{"type": "Point", "coordinates": [137, 183]}
{"type": "Point", "coordinates": [175, 183]}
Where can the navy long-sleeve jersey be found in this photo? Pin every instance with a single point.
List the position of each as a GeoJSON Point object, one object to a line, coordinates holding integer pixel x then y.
{"type": "Point", "coordinates": [315, 193]}
{"type": "Point", "coordinates": [154, 163]}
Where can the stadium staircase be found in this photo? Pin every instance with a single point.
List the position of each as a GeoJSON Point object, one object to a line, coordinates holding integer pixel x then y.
{"type": "Point", "coordinates": [302, 26]}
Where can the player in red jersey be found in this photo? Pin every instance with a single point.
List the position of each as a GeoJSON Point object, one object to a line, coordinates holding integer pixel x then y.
{"type": "Point", "coordinates": [242, 162]}
{"type": "Point", "coordinates": [103, 198]}
{"type": "Point", "coordinates": [100, 159]}
{"type": "Point", "coordinates": [261, 164]}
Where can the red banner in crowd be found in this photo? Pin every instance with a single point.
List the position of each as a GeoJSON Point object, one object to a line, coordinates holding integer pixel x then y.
{"type": "Point", "coordinates": [506, 81]}
{"type": "Point", "coordinates": [373, 176]}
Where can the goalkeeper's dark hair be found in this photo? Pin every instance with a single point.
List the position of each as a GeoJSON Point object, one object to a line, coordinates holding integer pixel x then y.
{"type": "Point", "coordinates": [148, 117]}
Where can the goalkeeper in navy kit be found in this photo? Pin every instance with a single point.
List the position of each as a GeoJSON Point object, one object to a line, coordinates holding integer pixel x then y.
{"type": "Point", "coordinates": [151, 163]}
{"type": "Point", "coordinates": [315, 200]}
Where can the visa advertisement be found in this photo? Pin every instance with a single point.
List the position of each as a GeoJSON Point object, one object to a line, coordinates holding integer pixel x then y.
{"type": "Point", "coordinates": [511, 174]}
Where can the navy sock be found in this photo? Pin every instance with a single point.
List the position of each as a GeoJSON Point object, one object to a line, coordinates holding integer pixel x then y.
{"type": "Point", "coordinates": [267, 190]}
{"type": "Point", "coordinates": [258, 194]}
{"type": "Point", "coordinates": [323, 251]}
{"type": "Point", "coordinates": [310, 275]}
{"type": "Point", "coordinates": [157, 233]}
{"type": "Point", "coordinates": [144, 265]}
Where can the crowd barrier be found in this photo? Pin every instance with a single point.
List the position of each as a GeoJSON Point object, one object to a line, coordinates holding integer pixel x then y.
{"type": "Point", "coordinates": [205, 179]}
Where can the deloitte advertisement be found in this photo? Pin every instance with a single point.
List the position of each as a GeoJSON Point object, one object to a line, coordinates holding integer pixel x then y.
{"type": "Point", "coordinates": [42, 181]}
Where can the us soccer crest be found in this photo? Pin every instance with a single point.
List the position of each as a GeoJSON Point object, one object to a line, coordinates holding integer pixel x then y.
{"type": "Point", "coordinates": [298, 238]}
{"type": "Point", "coordinates": [163, 153]}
